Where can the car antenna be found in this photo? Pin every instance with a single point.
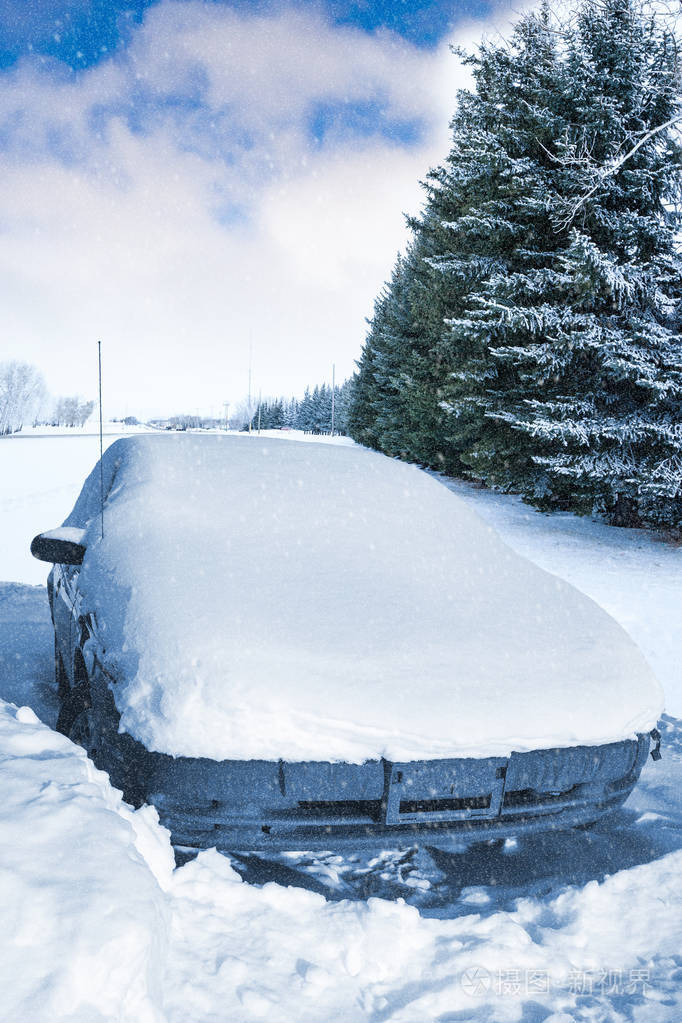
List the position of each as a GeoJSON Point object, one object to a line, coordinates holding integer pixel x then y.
{"type": "Point", "coordinates": [101, 469]}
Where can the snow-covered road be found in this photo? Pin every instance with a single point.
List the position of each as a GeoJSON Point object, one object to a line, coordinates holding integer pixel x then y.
{"type": "Point", "coordinates": [584, 925]}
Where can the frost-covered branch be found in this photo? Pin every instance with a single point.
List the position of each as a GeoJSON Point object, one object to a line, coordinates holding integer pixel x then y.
{"type": "Point", "coordinates": [609, 170]}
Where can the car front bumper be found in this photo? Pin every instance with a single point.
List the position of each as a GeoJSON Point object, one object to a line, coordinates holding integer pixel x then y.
{"type": "Point", "coordinates": [449, 804]}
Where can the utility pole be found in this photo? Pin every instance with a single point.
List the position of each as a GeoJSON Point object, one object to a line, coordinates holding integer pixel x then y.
{"type": "Point", "coordinates": [227, 415]}
{"type": "Point", "coordinates": [250, 361]}
{"type": "Point", "coordinates": [333, 394]}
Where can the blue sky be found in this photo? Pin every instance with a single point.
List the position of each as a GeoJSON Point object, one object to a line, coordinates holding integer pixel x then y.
{"type": "Point", "coordinates": [186, 179]}
{"type": "Point", "coordinates": [81, 33]}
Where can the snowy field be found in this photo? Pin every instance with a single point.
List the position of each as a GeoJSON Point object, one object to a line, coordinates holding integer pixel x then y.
{"type": "Point", "coordinates": [97, 925]}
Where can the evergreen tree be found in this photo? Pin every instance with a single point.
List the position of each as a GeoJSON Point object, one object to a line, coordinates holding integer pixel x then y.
{"type": "Point", "coordinates": [398, 392]}
{"type": "Point", "coordinates": [315, 409]}
{"type": "Point", "coordinates": [342, 403]}
{"type": "Point", "coordinates": [306, 412]}
{"type": "Point", "coordinates": [367, 396]}
{"type": "Point", "coordinates": [410, 421]}
{"type": "Point", "coordinates": [471, 228]}
{"type": "Point", "coordinates": [540, 312]}
{"type": "Point", "coordinates": [291, 413]}
{"type": "Point", "coordinates": [587, 385]}
{"type": "Point", "coordinates": [502, 243]}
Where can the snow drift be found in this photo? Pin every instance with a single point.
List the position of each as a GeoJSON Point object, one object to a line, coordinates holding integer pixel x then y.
{"type": "Point", "coordinates": [84, 919]}
{"type": "Point", "coordinates": [97, 927]}
{"type": "Point", "coordinates": [308, 602]}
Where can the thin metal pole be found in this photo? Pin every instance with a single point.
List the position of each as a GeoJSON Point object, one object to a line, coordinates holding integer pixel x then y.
{"type": "Point", "coordinates": [333, 390]}
{"type": "Point", "coordinates": [250, 361]}
{"type": "Point", "coordinates": [101, 446]}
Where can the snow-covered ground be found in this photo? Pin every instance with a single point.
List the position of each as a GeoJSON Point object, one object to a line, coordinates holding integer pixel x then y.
{"type": "Point", "coordinates": [96, 925]}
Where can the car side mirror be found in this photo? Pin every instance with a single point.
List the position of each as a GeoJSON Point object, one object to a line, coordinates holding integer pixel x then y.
{"type": "Point", "coordinates": [63, 546]}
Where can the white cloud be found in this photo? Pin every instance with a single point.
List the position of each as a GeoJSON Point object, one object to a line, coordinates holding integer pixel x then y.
{"type": "Point", "coordinates": [273, 65]}
{"type": "Point", "coordinates": [173, 204]}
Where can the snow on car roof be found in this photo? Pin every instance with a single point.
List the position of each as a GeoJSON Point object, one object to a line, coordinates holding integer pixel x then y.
{"type": "Point", "coordinates": [273, 599]}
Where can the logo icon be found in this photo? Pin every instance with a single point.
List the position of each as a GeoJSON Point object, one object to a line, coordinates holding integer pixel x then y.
{"type": "Point", "coordinates": [475, 981]}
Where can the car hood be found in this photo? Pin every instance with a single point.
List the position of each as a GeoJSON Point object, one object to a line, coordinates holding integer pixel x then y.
{"type": "Point", "coordinates": [280, 600]}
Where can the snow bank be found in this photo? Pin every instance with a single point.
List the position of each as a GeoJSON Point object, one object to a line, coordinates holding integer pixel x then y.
{"type": "Point", "coordinates": [306, 438]}
{"type": "Point", "coordinates": [97, 927]}
{"type": "Point", "coordinates": [84, 919]}
{"type": "Point", "coordinates": [312, 602]}
{"type": "Point", "coordinates": [606, 951]}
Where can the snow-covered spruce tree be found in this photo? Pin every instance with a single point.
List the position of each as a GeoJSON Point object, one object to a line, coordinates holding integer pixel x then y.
{"type": "Point", "coordinates": [305, 415]}
{"type": "Point", "coordinates": [366, 396]}
{"type": "Point", "coordinates": [486, 206]}
{"type": "Point", "coordinates": [538, 302]}
{"type": "Point", "coordinates": [397, 397]}
{"type": "Point", "coordinates": [291, 412]}
{"type": "Point", "coordinates": [342, 405]}
{"type": "Point", "coordinates": [504, 246]}
{"type": "Point", "coordinates": [577, 361]}
{"type": "Point", "coordinates": [395, 404]}
{"type": "Point", "coordinates": [411, 362]}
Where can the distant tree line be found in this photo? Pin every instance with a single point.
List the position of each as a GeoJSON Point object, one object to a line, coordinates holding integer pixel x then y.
{"type": "Point", "coordinates": [185, 421]}
{"type": "Point", "coordinates": [71, 411]}
{"type": "Point", "coordinates": [530, 337]}
{"type": "Point", "coordinates": [22, 394]}
{"type": "Point", "coordinates": [311, 413]}
{"type": "Point", "coordinates": [25, 401]}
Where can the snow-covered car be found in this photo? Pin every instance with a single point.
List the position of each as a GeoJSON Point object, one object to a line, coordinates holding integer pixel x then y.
{"type": "Point", "coordinates": [289, 645]}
